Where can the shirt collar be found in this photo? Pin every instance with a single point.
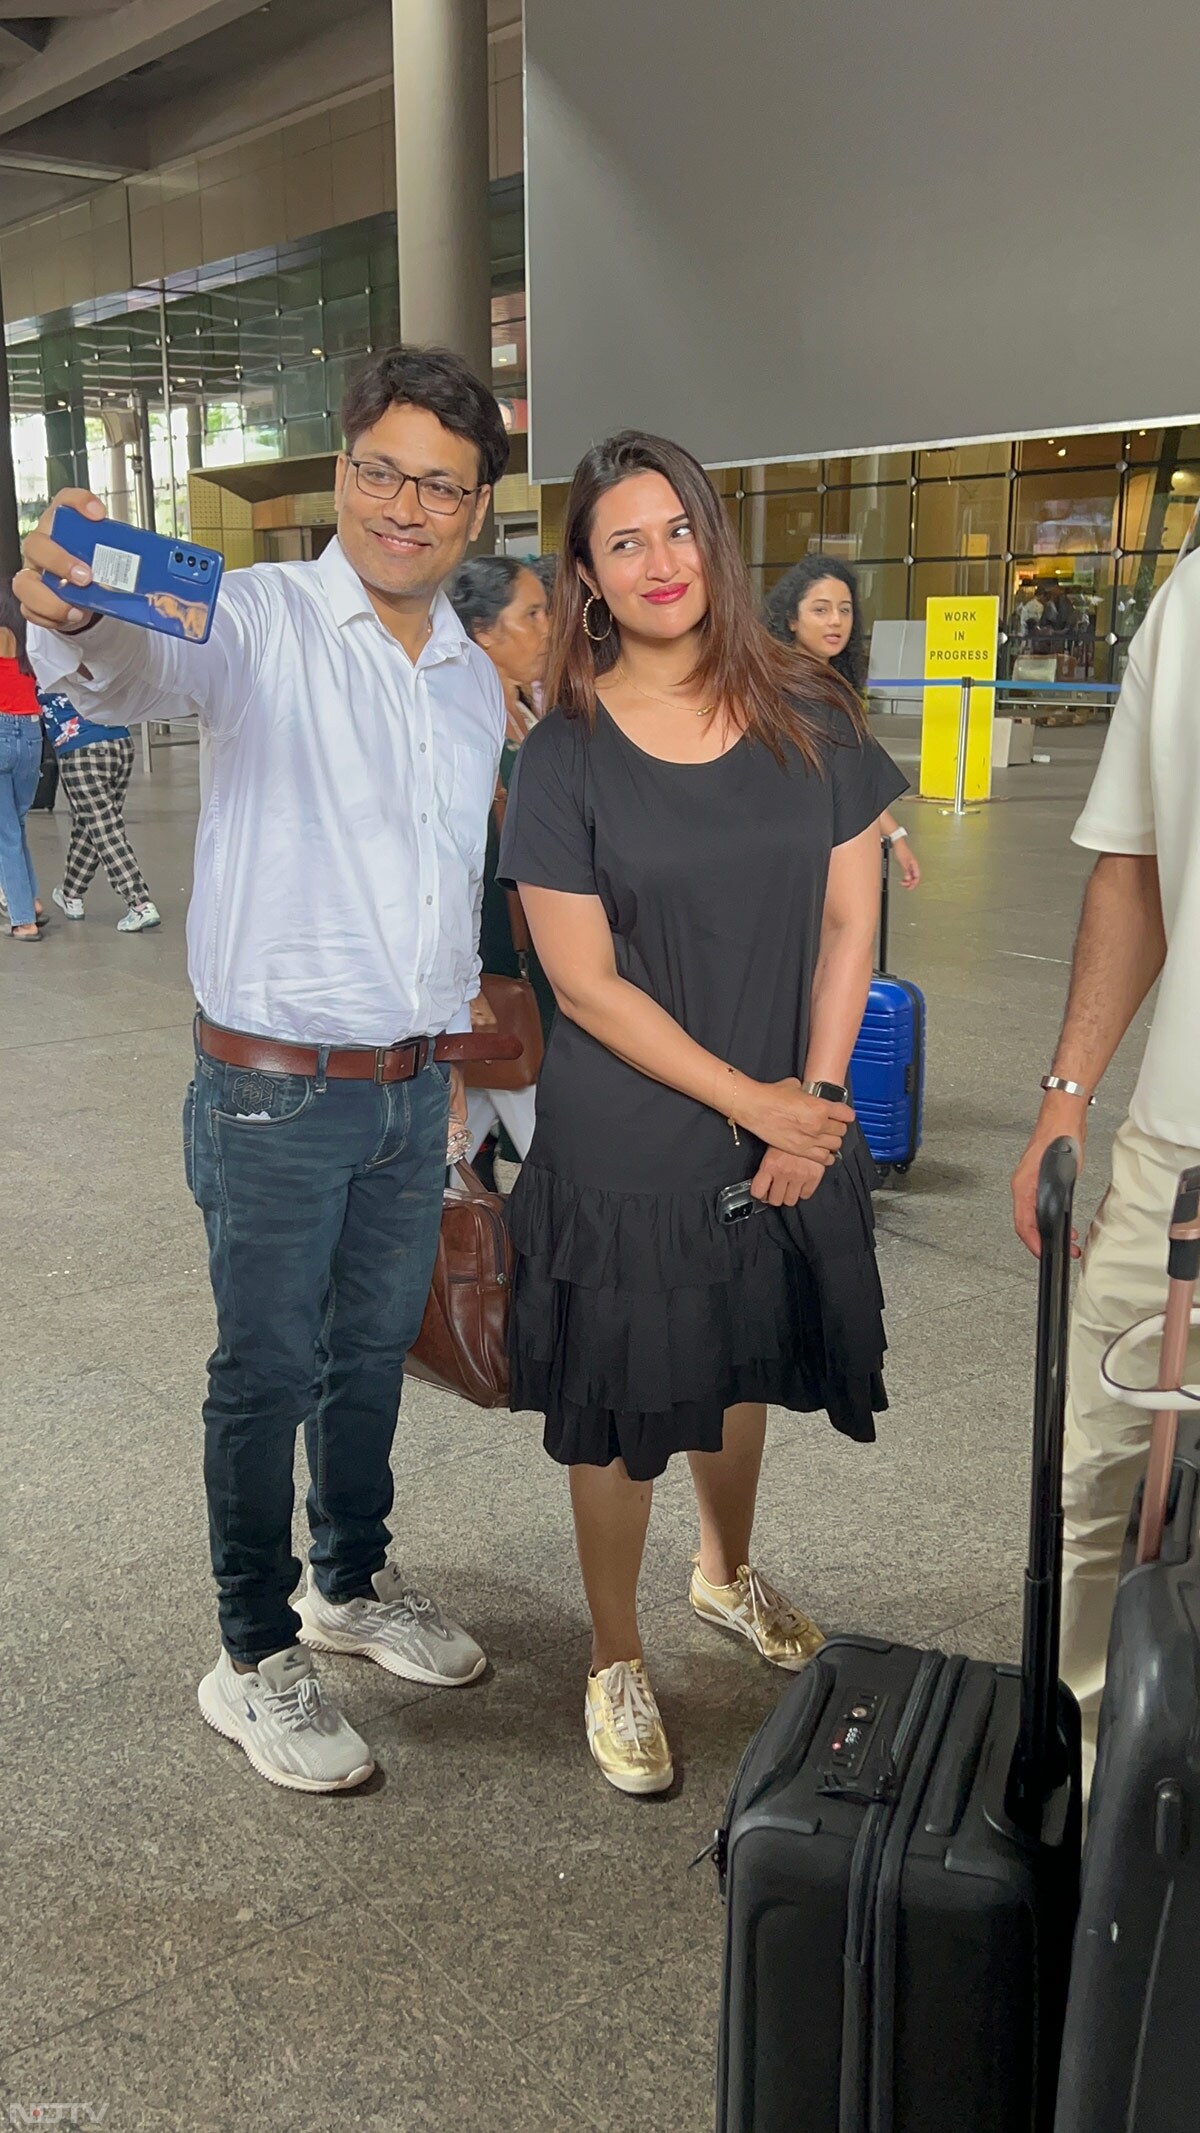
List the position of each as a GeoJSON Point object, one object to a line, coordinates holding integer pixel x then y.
{"type": "Point", "coordinates": [347, 597]}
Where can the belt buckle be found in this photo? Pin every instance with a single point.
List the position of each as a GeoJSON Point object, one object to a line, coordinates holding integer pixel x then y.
{"type": "Point", "coordinates": [381, 1052]}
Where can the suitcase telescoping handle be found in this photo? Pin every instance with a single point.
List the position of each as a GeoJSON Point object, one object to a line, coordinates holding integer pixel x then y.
{"type": "Point", "coordinates": [885, 892]}
{"type": "Point", "coordinates": [1183, 1268]}
{"type": "Point", "coordinates": [1036, 1766]}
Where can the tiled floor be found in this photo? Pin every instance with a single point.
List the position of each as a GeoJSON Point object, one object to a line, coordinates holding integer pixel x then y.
{"type": "Point", "coordinates": [486, 1937]}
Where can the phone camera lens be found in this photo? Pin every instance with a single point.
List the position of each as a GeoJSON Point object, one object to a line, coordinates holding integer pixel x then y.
{"type": "Point", "coordinates": [191, 562]}
{"type": "Point", "coordinates": [204, 562]}
{"type": "Point", "coordinates": [178, 556]}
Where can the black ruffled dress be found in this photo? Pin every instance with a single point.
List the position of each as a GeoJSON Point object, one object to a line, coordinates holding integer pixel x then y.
{"type": "Point", "coordinates": [637, 1317]}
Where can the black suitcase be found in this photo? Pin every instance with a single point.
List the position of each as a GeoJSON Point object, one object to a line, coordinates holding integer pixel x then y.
{"type": "Point", "coordinates": [900, 1855]}
{"type": "Point", "coordinates": [1131, 2050]}
{"type": "Point", "coordinates": [47, 785]}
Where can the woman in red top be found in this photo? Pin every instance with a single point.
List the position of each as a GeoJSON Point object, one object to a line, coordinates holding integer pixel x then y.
{"type": "Point", "coordinates": [20, 767]}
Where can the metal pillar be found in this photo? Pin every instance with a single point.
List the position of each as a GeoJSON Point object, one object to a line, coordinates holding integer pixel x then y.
{"type": "Point", "coordinates": [440, 78]}
{"type": "Point", "coordinates": [10, 536]}
{"type": "Point", "coordinates": [142, 464]}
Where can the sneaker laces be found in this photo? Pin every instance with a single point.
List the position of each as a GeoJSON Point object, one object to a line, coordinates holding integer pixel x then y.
{"type": "Point", "coordinates": [297, 1707]}
{"type": "Point", "coordinates": [769, 1610]}
{"type": "Point", "coordinates": [631, 1707]}
{"type": "Point", "coordinates": [418, 1608]}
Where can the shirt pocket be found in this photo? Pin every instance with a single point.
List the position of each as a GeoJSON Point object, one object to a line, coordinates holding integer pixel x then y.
{"type": "Point", "coordinates": [466, 785]}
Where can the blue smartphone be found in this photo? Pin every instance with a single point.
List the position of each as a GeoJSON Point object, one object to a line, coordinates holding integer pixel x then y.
{"type": "Point", "coordinates": [147, 578]}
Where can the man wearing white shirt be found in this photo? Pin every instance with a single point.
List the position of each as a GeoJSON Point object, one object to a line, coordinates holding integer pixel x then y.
{"type": "Point", "coordinates": [350, 740]}
{"type": "Point", "coordinates": [1141, 921]}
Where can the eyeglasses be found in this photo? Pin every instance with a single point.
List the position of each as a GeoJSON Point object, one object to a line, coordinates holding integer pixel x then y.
{"type": "Point", "coordinates": [434, 492]}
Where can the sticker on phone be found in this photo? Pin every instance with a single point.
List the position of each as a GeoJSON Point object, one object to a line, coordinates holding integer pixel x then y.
{"type": "Point", "coordinates": [115, 568]}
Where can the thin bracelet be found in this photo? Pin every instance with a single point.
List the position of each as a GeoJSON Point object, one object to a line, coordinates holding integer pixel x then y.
{"type": "Point", "coordinates": [730, 1120]}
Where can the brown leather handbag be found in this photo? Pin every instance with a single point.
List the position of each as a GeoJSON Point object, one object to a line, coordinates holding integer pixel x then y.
{"type": "Point", "coordinates": [463, 1342]}
{"type": "Point", "coordinates": [513, 1001]}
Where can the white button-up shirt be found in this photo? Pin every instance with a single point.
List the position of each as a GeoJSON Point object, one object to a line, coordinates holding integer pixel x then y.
{"type": "Point", "coordinates": [344, 797]}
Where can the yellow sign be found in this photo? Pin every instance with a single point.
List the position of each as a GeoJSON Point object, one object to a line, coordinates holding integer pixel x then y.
{"type": "Point", "coordinates": [960, 639]}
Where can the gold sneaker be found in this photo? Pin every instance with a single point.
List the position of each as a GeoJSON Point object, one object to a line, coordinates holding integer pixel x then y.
{"type": "Point", "coordinates": [624, 1730]}
{"type": "Point", "coordinates": [754, 1610]}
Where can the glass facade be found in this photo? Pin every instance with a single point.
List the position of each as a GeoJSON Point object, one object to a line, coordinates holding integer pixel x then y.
{"type": "Point", "coordinates": [1083, 529]}
{"type": "Point", "coordinates": [1073, 535]}
{"type": "Point", "coordinates": [259, 352]}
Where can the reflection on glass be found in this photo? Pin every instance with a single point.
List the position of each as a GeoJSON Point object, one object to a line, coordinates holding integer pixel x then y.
{"type": "Point", "coordinates": [788, 474]}
{"type": "Point", "coordinates": [1160, 503]}
{"type": "Point", "coordinates": [1139, 578]}
{"type": "Point", "coordinates": [1066, 514]}
{"type": "Point", "coordinates": [867, 467]}
{"type": "Point", "coordinates": [781, 529]}
{"type": "Point", "coordinates": [962, 518]}
{"type": "Point", "coordinates": [962, 579]}
{"type": "Point", "coordinates": [883, 592]}
{"type": "Point", "coordinates": [869, 522]}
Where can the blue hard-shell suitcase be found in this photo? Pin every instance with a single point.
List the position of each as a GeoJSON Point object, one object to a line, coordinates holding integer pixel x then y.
{"type": "Point", "coordinates": [887, 1066]}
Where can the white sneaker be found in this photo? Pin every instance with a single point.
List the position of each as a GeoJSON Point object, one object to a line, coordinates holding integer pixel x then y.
{"type": "Point", "coordinates": [293, 1733]}
{"type": "Point", "coordinates": [402, 1630]}
{"type": "Point", "coordinates": [72, 905]}
{"type": "Point", "coordinates": [138, 919]}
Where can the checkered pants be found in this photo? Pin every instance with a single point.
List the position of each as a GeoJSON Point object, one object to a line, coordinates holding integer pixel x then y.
{"type": "Point", "coordinates": [96, 779]}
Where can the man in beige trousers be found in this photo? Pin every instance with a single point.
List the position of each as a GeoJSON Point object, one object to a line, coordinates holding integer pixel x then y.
{"type": "Point", "coordinates": [1140, 921]}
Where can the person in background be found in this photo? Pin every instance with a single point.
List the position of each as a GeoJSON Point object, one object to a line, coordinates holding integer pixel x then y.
{"type": "Point", "coordinates": [20, 769]}
{"type": "Point", "coordinates": [1140, 923]}
{"type": "Point", "coordinates": [817, 607]}
{"type": "Point", "coordinates": [546, 568]}
{"type": "Point", "coordinates": [96, 764]}
{"type": "Point", "coordinates": [502, 605]}
{"type": "Point", "coordinates": [692, 830]}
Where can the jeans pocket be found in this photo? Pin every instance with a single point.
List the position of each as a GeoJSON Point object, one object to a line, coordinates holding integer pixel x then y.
{"type": "Point", "coordinates": [253, 1100]}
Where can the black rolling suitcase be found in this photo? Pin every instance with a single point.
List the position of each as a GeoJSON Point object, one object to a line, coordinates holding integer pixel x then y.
{"type": "Point", "coordinates": [900, 1855]}
{"type": "Point", "coordinates": [1131, 2050]}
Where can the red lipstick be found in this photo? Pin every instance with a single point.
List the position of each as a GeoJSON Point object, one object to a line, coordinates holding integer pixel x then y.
{"type": "Point", "coordinates": [665, 595]}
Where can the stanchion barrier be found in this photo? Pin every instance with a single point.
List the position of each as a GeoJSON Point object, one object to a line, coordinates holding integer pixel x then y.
{"type": "Point", "coordinates": [964, 684]}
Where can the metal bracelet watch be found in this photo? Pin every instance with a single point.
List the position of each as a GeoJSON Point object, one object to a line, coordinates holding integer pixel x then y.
{"type": "Point", "coordinates": [1057, 1084]}
{"type": "Point", "coordinates": [830, 1092]}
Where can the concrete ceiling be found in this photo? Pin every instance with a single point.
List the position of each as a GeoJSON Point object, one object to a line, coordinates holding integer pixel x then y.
{"type": "Point", "coordinates": [93, 90]}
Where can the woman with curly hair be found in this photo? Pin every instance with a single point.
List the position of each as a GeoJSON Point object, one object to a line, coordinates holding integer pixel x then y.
{"type": "Point", "coordinates": [816, 606]}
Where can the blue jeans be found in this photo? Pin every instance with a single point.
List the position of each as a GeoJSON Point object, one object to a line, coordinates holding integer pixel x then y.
{"type": "Point", "coordinates": [322, 1202]}
{"type": "Point", "coordinates": [20, 768]}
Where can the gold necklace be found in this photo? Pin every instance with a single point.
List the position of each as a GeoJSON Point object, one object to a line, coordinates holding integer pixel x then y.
{"type": "Point", "coordinates": [706, 710]}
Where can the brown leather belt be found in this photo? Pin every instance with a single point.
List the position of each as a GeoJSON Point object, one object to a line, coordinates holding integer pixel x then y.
{"type": "Point", "coordinates": [387, 1062]}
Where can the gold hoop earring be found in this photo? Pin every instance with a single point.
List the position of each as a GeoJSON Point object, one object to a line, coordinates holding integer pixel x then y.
{"type": "Point", "coordinates": [597, 636]}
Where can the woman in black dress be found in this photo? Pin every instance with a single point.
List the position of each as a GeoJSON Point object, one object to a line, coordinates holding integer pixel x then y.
{"type": "Point", "coordinates": [692, 829]}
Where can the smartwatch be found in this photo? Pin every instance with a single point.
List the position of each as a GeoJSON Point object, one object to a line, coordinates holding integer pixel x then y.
{"type": "Point", "coordinates": [830, 1092]}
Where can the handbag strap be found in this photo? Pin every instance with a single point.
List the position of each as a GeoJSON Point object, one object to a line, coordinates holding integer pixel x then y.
{"type": "Point", "coordinates": [516, 914]}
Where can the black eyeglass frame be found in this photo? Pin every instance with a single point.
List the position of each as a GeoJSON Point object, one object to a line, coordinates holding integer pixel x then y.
{"type": "Point", "coordinates": [418, 481]}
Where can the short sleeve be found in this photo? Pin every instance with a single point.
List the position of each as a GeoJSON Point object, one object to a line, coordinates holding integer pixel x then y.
{"type": "Point", "coordinates": [1118, 815]}
{"type": "Point", "coordinates": [865, 781]}
{"type": "Point", "coordinates": [546, 841]}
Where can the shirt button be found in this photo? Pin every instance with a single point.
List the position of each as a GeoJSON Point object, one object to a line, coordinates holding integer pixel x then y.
{"type": "Point", "coordinates": [429, 899]}
{"type": "Point", "coordinates": [424, 818]}
{"type": "Point", "coordinates": [424, 751]}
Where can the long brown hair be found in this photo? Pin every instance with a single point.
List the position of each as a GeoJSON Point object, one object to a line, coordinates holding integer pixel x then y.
{"type": "Point", "coordinates": [739, 662]}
